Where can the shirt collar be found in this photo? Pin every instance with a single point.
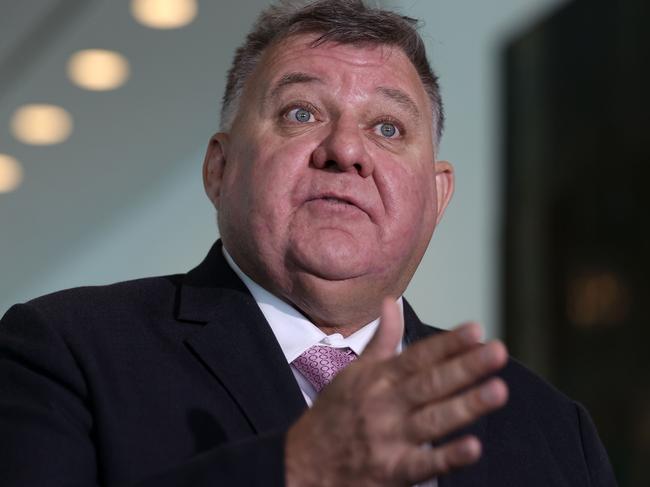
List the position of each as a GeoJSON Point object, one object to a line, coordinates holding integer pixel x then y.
{"type": "Point", "coordinates": [293, 330]}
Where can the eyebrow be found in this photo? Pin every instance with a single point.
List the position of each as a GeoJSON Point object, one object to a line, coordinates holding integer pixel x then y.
{"type": "Point", "coordinates": [401, 98]}
{"type": "Point", "coordinates": [394, 94]}
{"type": "Point", "coordinates": [292, 79]}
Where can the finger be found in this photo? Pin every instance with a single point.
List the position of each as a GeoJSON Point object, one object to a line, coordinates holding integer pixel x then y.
{"type": "Point", "coordinates": [430, 351]}
{"type": "Point", "coordinates": [461, 371]}
{"type": "Point", "coordinates": [435, 421]}
{"type": "Point", "coordinates": [388, 334]}
{"type": "Point", "coordinates": [424, 464]}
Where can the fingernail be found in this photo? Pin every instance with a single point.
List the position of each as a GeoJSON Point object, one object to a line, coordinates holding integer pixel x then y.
{"type": "Point", "coordinates": [470, 333]}
{"type": "Point", "coordinates": [472, 447]}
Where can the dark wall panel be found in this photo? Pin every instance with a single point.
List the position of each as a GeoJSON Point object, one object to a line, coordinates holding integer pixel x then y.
{"type": "Point", "coordinates": [577, 210]}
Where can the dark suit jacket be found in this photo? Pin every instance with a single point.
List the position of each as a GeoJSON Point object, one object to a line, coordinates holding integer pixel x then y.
{"type": "Point", "coordinates": [179, 380]}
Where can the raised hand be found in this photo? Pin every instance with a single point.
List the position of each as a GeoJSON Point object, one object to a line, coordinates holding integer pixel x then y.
{"type": "Point", "coordinates": [369, 426]}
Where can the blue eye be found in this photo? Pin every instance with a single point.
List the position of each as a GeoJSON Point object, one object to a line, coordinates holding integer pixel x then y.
{"type": "Point", "coordinates": [300, 115]}
{"type": "Point", "coordinates": [388, 130]}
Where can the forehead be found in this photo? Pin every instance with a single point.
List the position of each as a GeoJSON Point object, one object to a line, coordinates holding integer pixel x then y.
{"type": "Point", "coordinates": [367, 65]}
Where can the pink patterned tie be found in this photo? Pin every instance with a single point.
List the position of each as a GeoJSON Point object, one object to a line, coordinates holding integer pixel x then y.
{"type": "Point", "coordinates": [319, 364]}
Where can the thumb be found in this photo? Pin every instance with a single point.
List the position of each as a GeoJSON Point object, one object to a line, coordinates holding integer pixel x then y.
{"type": "Point", "coordinates": [388, 334]}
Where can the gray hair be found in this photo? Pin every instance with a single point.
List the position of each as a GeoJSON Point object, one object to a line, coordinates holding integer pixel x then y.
{"type": "Point", "coordinates": [341, 21]}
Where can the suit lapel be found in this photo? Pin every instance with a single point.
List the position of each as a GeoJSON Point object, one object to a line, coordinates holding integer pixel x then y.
{"type": "Point", "coordinates": [237, 345]}
{"type": "Point", "coordinates": [476, 474]}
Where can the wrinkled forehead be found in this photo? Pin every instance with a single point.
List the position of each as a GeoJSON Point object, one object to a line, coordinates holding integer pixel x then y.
{"type": "Point", "coordinates": [369, 65]}
{"type": "Point", "coordinates": [360, 54]}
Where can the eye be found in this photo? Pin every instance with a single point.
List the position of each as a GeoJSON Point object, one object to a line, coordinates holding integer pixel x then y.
{"type": "Point", "coordinates": [300, 115]}
{"type": "Point", "coordinates": [387, 129]}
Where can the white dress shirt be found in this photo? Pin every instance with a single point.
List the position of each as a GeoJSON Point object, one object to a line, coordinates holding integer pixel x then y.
{"type": "Point", "coordinates": [295, 333]}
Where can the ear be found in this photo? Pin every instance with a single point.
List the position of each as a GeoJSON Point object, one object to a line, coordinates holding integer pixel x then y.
{"type": "Point", "coordinates": [444, 186]}
{"type": "Point", "coordinates": [213, 166]}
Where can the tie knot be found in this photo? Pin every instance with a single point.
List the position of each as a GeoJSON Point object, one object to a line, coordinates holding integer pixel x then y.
{"type": "Point", "coordinates": [319, 364]}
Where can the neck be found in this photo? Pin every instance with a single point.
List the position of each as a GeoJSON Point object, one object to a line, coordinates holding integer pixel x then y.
{"type": "Point", "coordinates": [343, 306]}
{"type": "Point", "coordinates": [337, 306]}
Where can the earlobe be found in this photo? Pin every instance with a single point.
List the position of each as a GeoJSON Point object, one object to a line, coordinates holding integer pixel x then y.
{"type": "Point", "coordinates": [444, 187]}
{"type": "Point", "coordinates": [214, 165]}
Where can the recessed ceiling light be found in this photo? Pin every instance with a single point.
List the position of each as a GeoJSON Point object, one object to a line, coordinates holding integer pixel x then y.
{"type": "Point", "coordinates": [41, 124]}
{"type": "Point", "coordinates": [98, 69]}
{"type": "Point", "coordinates": [11, 173]}
{"type": "Point", "coordinates": [164, 14]}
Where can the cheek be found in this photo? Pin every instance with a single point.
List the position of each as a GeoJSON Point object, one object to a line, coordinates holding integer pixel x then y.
{"type": "Point", "coordinates": [265, 179]}
{"type": "Point", "coordinates": [409, 198]}
{"type": "Point", "coordinates": [279, 170]}
{"type": "Point", "coordinates": [408, 194]}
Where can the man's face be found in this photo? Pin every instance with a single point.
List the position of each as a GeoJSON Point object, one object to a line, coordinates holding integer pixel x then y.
{"type": "Point", "coordinates": [328, 175]}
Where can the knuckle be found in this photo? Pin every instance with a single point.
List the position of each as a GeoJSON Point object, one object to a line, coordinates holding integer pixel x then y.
{"type": "Point", "coordinates": [418, 467]}
{"type": "Point", "coordinates": [415, 389]}
{"type": "Point", "coordinates": [434, 382]}
{"type": "Point", "coordinates": [386, 464]}
{"type": "Point", "coordinates": [371, 380]}
{"type": "Point", "coordinates": [382, 470]}
{"type": "Point", "coordinates": [440, 461]}
{"type": "Point", "coordinates": [411, 359]}
{"type": "Point", "coordinates": [430, 422]}
{"type": "Point", "coordinates": [465, 409]}
{"type": "Point", "coordinates": [472, 363]}
{"type": "Point", "coordinates": [465, 371]}
{"type": "Point", "coordinates": [472, 405]}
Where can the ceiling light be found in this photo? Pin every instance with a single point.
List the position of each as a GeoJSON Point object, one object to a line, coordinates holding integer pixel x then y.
{"type": "Point", "coordinates": [164, 14]}
{"type": "Point", "coordinates": [98, 69]}
{"type": "Point", "coordinates": [11, 173]}
{"type": "Point", "coordinates": [41, 124]}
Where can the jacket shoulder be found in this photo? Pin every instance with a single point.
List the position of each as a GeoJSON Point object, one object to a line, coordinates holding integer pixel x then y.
{"type": "Point", "coordinates": [88, 308]}
{"type": "Point", "coordinates": [137, 292]}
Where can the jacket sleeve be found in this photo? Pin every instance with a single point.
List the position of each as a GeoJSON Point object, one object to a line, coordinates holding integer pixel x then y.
{"type": "Point", "coordinates": [598, 465]}
{"type": "Point", "coordinates": [47, 424]}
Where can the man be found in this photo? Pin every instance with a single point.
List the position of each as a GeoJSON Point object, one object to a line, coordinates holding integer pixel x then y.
{"type": "Point", "coordinates": [327, 189]}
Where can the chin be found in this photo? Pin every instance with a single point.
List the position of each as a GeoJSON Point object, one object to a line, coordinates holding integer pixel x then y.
{"type": "Point", "coordinates": [331, 256]}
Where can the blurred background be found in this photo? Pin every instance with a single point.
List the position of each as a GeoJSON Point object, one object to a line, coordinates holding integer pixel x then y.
{"type": "Point", "coordinates": [106, 108]}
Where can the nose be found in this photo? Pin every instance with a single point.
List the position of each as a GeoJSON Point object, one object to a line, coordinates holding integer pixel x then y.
{"type": "Point", "coordinates": [343, 149]}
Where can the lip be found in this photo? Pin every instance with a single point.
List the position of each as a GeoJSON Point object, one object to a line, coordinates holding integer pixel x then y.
{"type": "Point", "coordinates": [344, 198]}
